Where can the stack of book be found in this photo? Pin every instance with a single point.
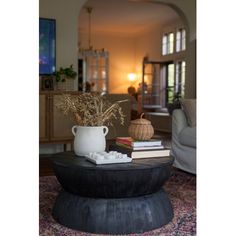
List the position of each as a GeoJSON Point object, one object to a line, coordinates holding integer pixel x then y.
{"type": "Point", "coordinates": [140, 149]}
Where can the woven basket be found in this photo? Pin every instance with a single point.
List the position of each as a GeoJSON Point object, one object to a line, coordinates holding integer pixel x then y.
{"type": "Point", "coordinates": [141, 129]}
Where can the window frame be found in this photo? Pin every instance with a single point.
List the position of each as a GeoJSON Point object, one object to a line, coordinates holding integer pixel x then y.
{"type": "Point", "coordinates": [181, 40]}
{"type": "Point", "coordinates": [179, 82]}
{"type": "Point", "coordinates": [168, 45]}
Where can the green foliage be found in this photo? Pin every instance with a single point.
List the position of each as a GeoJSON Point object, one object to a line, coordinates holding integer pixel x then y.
{"type": "Point", "coordinates": [175, 103]}
{"type": "Point", "coordinates": [65, 73]}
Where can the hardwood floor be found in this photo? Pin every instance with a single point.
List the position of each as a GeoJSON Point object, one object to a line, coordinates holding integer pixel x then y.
{"type": "Point", "coordinates": [45, 166]}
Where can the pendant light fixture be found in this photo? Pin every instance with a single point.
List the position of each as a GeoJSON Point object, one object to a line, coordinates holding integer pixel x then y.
{"type": "Point", "coordinates": [94, 64]}
{"type": "Point", "coordinates": [90, 51]}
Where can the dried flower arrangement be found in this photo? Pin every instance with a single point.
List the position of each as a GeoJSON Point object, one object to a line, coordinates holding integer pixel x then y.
{"type": "Point", "coordinates": [91, 109]}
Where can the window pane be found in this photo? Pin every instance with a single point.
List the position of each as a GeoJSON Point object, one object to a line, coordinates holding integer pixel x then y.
{"type": "Point", "coordinates": [170, 75]}
{"type": "Point", "coordinates": [171, 43]}
{"type": "Point", "coordinates": [177, 71]}
{"type": "Point", "coordinates": [164, 45]}
{"type": "Point", "coordinates": [171, 37]}
{"type": "Point", "coordinates": [164, 39]}
{"type": "Point", "coordinates": [178, 35]}
{"type": "Point", "coordinates": [177, 45]}
{"type": "Point", "coordinates": [170, 96]}
{"type": "Point", "coordinates": [164, 49]}
{"type": "Point", "coordinates": [183, 72]}
{"type": "Point", "coordinates": [178, 38]}
{"type": "Point", "coordinates": [177, 77]}
{"type": "Point", "coordinates": [183, 66]}
{"type": "Point", "coordinates": [183, 39]}
{"type": "Point", "coordinates": [171, 47]}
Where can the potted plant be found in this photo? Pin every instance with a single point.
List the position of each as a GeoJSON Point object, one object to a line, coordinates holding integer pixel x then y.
{"type": "Point", "coordinates": [91, 113]}
{"type": "Point", "coordinates": [175, 104]}
{"type": "Point", "coordinates": [62, 77]}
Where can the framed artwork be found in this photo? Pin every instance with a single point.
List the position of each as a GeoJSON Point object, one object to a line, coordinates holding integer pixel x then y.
{"type": "Point", "coordinates": [47, 83]}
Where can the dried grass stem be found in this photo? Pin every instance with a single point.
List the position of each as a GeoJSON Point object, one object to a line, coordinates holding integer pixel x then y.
{"type": "Point", "coordinates": [91, 109]}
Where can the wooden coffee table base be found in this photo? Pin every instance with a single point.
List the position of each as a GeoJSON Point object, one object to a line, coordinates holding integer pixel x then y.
{"type": "Point", "coordinates": [113, 216]}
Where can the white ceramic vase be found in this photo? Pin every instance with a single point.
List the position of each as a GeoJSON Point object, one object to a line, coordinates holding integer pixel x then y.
{"type": "Point", "coordinates": [89, 139]}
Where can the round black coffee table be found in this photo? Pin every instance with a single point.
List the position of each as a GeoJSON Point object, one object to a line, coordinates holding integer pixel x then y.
{"type": "Point", "coordinates": [114, 198]}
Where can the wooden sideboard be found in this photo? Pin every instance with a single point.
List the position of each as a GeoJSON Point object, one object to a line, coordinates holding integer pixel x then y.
{"type": "Point", "coordinates": [54, 127]}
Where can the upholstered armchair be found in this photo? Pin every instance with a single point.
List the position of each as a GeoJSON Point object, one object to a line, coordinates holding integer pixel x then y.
{"type": "Point", "coordinates": [183, 144]}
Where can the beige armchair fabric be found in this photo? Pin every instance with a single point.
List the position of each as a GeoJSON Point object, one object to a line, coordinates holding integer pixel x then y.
{"type": "Point", "coordinates": [183, 144]}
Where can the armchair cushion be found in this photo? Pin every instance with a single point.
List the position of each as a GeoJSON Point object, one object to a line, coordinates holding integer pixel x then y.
{"type": "Point", "coordinates": [187, 137]}
{"type": "Point", "coordinates": [183, 143]}
{"type": "Point", "coordinates": [189, 107]}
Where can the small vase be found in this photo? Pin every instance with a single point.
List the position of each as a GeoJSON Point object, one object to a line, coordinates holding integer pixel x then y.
{"type": "Point", "coordinates": [89, 139]}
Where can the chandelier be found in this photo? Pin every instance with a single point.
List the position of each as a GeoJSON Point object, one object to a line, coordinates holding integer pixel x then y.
{"type": "Point", "coordinates": [90, 51]}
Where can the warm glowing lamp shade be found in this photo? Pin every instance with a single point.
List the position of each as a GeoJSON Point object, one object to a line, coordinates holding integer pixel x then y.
{"type": "Point", "coordinates": [132, 77]}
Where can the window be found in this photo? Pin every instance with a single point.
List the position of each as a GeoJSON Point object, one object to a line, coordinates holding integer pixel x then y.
{"type": "Point", "coordinates": [168, 40]}
{"type": "Point", "coordinates": [180, 40]}
{"type": "Point", "coordinates": [173, 75]}
{"type": "Point", "coordinates": [170, 83]}
{"type": "Point", "coordinates": [168, 43]}
{"type": "Point", "coordinates": [180, 78]}
{"type": "Point", "coordinates": [175, 80]}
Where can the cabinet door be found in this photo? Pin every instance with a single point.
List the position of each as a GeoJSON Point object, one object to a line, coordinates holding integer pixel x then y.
{"type": "Point", "coordinates": [43, 118]}
{"type": "Point", "coordinates": [60, 124]}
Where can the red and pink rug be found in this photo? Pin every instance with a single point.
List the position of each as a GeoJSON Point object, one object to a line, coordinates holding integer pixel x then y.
{"type": "Point", "coordinates": [181, 188]}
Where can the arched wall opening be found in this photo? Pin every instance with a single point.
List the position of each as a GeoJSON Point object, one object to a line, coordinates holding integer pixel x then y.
{"type": "Point", "coordinates": [128, 50]}
{"type": "Point", "coordinates": [66, 14]}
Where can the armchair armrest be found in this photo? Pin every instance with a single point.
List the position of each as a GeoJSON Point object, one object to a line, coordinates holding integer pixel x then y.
{"type": "Point", "coordinates": [179, 121]}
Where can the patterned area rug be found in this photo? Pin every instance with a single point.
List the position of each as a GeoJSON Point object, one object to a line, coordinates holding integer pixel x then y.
{"type": "Point", "coordinates": [181, 188]}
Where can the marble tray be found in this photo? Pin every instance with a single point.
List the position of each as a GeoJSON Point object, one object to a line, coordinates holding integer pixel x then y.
{"type": "Point", "coordinates": [103, 160]}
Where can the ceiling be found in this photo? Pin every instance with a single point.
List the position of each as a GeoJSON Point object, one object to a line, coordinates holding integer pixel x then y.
{"type": "Point", "coordinates": [124, 16]}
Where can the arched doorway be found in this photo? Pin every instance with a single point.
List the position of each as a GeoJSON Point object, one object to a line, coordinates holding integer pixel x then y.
{"type": "Point", "coordinates": [129, 36]}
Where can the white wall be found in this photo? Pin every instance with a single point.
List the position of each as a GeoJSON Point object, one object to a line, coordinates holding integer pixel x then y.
{"type": "Point", "coordinates": [187, 11]}
{"type": "Point", "coordinates": [148, 43]}
{"type": "Point", "coordinates": [66, 15]}
{"type": "Point", "coordinates": [126, 54]}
